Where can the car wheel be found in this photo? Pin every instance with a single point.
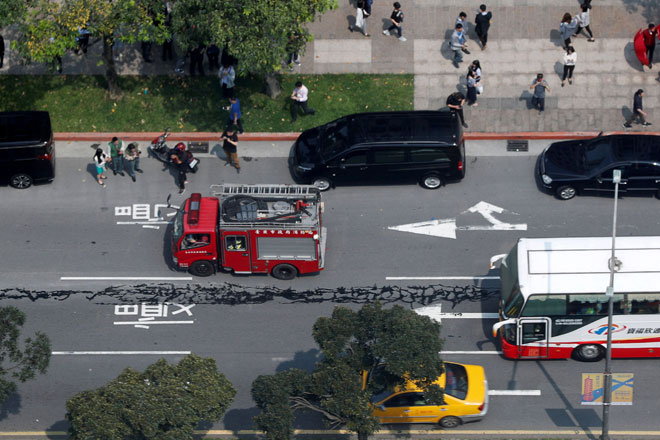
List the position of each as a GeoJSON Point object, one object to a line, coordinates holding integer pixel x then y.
{"type": "Point", "coordinates": [566, 192]}
{"type": "Point", "coordinates": [284, 272]}
{"type": "Point", "coordinates": [431, 181]}
{"type": "Point", "coordinates": [589, 353]}
{"type": "Point", "coordinates": [202, 268]}
{"type": "Point", "coordinates": [322, 183]}
{"type": "Point", "coordinates": [21, 181]}
{"type": "Point", "coordinates": [450, 422]}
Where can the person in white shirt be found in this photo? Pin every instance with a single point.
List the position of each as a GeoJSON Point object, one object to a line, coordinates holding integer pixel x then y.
{"type": "Point", "coordinates": [583, 23]}
{"type": "Point", "coordinates": [570, 57]}
{"type": "Point", "coordinates": [299, 96]}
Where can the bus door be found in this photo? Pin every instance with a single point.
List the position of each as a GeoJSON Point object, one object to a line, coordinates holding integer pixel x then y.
{"type": "Point", "coordinates": [533, 337]}
{"type": "Point", "coordinates": [236, 252]}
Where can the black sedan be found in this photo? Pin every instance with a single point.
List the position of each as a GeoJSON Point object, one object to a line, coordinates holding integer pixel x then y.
{"type": "Point", "coordinates": [579, 166]}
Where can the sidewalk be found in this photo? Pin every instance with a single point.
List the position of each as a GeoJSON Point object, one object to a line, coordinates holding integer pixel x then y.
{"type": "Point", "coordinates": [523, 40]}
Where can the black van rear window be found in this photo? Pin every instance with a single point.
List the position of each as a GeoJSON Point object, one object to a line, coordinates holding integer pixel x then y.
{"type": "Point", "coordinates": [427, 155]}
{"type": "Point", "coordinates": [387, 128]}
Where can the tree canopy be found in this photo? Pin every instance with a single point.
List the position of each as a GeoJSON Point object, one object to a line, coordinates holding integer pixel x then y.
{"type": "Point", "coordinates": [164, 402]}
{"type": "Point", "coordinates": [17, 363]}
{"type": "Point", "coordinates": [400, 343]}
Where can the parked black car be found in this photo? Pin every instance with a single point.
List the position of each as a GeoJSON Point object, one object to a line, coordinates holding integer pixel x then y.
{"type": "Point", "coordinates": [578, 166]}
{"type": "Point", "coordinates": [387, 147]}
{"type": "Point", "coordinates": [27, 150]}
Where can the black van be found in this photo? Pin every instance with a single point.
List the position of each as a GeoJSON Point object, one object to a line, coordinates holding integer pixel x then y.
{"type": "Point", "coordinates": [423, 146]}
{"type": "Point", "coordinates": [27, 150]}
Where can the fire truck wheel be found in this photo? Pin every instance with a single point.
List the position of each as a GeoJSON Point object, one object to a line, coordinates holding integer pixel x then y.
{"type": "Point", "coordinates": [284, 272]}
{"type": "Point", "coordinates": [589, 352]}
{"type": "Point", "coordinates": [20, 181]}
{"type": "Point", "coordinates": [431, 181]}
{"type": "Point", "coordinates": [322, 183]}
{"type": "Point", "coordinates": [202, 268]}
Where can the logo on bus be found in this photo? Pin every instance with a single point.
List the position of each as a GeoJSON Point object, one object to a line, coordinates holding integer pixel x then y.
{"type": "Point", "coordinates": [602, 330]}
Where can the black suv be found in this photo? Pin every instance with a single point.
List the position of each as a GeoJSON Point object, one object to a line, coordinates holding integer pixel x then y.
{"type": "Point", "coordinates": [27, 152]}
{"type": "Point", "coordinates": [386, 147]}
{"type": "Point", "coordinates": [571, 167]}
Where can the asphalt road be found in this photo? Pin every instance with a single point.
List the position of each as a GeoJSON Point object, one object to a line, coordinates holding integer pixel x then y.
{"type": "Point", "coordinates": [258, 325]}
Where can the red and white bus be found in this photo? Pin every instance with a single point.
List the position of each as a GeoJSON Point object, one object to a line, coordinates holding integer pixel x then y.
{"type": "Point", "coordinates": [553, 302]}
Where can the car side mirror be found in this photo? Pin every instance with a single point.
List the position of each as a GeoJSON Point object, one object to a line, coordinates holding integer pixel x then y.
{"type": "Point", "coordinates": [381, 407]}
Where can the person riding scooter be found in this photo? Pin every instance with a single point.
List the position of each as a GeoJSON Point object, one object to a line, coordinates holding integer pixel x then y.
{"type": "Point", "coordinates": [179, 156]}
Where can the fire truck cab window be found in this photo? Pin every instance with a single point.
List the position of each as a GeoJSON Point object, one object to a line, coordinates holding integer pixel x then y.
{"type": "Point", "coordinates": [195, 240]}
{"type": "Point", "coordinates": [235, 243]}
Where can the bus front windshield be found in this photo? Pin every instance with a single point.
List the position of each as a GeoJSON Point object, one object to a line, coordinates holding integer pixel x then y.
{"type": "Point", "coordinates": [509, 287]}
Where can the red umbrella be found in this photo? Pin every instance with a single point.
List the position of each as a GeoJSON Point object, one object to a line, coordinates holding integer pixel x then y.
{"type": "Point", "coordinates": [640, 48]}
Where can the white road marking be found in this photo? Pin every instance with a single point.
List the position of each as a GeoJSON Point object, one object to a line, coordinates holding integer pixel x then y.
{"type": "Point", "coordinates": [514, 392]}
{"type": "Point", "coordinates": [471, 352]}
{"type": "Point", "coordinates": [67, 353]}
{"type": "Point", "coordinates": [145, 324]}
{"type": "Point", "coordinates": [443, 278]}
{"type": "Point", "coordinates": [145, 223]}
{"type": "Point", "coordinates": [150, 227]}
{"type": "Point", "coordinates": [435, 312]}
{"type": "Point", "coordinates": [126, 278]}
{"type": "Point", "coordinates": [447, 228]}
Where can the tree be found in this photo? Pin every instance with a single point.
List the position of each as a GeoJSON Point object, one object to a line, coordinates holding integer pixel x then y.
{"type": "Point", "coordinates": [23, 364]}
{"type": "Point", "coordinates": [164, 402]}
{"type": "Point", "coordinates": [259, 32]}
{"type": "Point", "coordinates": [51, 27]}
{"type": "Point", "coordinates": [12, 11]}
{"type": "Point", "coordinates": [398, 342]}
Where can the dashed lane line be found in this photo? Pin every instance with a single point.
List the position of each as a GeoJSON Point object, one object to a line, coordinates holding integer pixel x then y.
{"type": "Point", "coordinates": [442, 278]}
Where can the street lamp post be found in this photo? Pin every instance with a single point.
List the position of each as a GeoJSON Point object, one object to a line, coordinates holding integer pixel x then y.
{"type": "Point", "coordinates": [614, 265]}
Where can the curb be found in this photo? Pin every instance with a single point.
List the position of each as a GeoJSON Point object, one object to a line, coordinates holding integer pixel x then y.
{"type": "Point", "coordinates": [292, 136]}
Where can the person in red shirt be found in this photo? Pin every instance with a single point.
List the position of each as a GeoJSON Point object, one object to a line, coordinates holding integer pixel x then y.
{"type": "Point", "coordinates": [650, 35]}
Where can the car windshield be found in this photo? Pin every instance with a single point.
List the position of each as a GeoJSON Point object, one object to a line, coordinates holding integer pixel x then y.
{"type": "Point", "coordinates": [177, 230]}
{"type": "Point", "coordinates": [336, 138]}
{"type": "Point", "coordinates": [456, 384]}
{"type": "Point", "coordinates": [596, 154]}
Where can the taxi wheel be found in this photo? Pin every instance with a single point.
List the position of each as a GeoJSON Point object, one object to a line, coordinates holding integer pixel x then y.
{"type": "Point", "coordinates": [450, 422]}
{"type": "Point", "coordinates": [284, 272]}
{"type": "Point", "coordinates": [202, 268]}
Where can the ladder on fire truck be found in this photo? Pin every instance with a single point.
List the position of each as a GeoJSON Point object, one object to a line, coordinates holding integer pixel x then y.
{"type": "Point", "coordinates": [227, 189]}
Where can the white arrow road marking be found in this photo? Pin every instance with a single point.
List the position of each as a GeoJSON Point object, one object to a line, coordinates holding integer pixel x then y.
{"type": "Point", "coordinates": [435, 313]}
{"type": "Point", "coordinates": [447, 227]}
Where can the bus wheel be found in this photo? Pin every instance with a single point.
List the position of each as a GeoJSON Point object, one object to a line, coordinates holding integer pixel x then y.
{"type": "Point", "coordinates": [450, 422]}
{"type": "Point", "coordinates": [589, 353]}
{"type": "Point", "coordinates": [284, 272]}
{"type": "Point", "coordinates": [202, 268]}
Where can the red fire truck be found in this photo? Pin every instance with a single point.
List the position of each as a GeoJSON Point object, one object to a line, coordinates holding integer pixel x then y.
{"type": "Point", "coordinates": [251, 229]}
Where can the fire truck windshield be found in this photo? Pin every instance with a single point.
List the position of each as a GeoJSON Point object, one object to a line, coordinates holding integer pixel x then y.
{"type": "Point", "coordinates": [177, 231]}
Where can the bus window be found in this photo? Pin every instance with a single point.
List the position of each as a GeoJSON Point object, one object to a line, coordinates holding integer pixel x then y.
{"type": "Point", "coordinates": [533, 331]}
{"type": "Point", "coordinates": [512, 307]}
{"type": "Point", "coordinates": [595, 304]}
{"type": "Point", "coordinates": [545, 305]}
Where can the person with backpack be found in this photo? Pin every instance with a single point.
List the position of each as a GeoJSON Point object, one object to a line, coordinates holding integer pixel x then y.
{"type": "Point", "coordinates": [397, 19]}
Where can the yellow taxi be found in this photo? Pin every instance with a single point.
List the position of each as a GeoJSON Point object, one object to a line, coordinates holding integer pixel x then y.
{"type": "Point", "coordinates": [465, 395]}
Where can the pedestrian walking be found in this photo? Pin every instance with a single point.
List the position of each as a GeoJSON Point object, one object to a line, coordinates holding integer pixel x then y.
{"type": "Point", "coordinates": [570, 57]}
{"type": "Point", "coordinates": [483, 20]}
{"type": "Point", "coordinates": [300, 96]}
{"type": "Point", "coordinates": [638, 113]}
{"type": "Point", "coordinates": [213, 54]}
{"type": "Point", "coordinates": [180, 157]}
{"type": "Point", "coordinates": [458, 44]}
{"type": "Point", "coordinates": [82, 40]}
{"type": "Point", "coordinates": [2, 51]}
{"type": "Point", "coordinates": [472, 88]}
{"type": "Point", "coordinates": [130, 155]}
{"type": "Point", "coordinates": [476, 67]}
{"type": "Point", "coordinates": [227, 75]}
{"type": "Point", "coordinates": [455, 103]}
{"type": "Point", "coordinates": [116, 153]}
{"type": "Point", "coordinates": [235, 114]}
{"type": "Point", "coordinates": [567, 28]}
{"type": "Point", "coordinates": [100, 160]}
{"type": "Point", "coordinates": [292, 47]}
{"type": "Point", "coordinates": [462, 19]}
{"type": "Point", "coordinates": [650, 34]}
{"type": "Point", "coordinates": [397, 19]}
{"type": "Point", "coordinates": [230, 145]}
{"type": "Point", "coordinates": [197, 60]}
{"type": "Point", "coordinates": [540, 86]}
{"type": "Point", "coordinates": [584, 21]}
{"type": "Point", "coordinates": [361, 15]}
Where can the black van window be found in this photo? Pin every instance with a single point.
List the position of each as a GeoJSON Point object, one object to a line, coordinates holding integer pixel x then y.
{"type": "Point", "coordinates": [389, 155]}
{"type": "Point", "coordinates": [426, 129]}
{"type": "Point", "coordinates": [355, 158]}
{"type": "Point", "coordinates": [427, 155]}
{"type": "Point", "coordinates": [644, 170]}
{"type": "Point", "coordinates": [336, 139]}
{"type": "Point", "coordinates": [388, 128]}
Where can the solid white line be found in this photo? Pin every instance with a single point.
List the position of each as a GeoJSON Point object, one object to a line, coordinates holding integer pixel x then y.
{"type": "Point", "coordinates": [514, 392]}
{"type": "Point", "coordinates": [145, 223]}
{"type": "Point", "coordinates": [441, 278]}
{"type": "Point", "coordinates": [55, 353]}
{"type": "Point", "coordinates": [471, 352]}
{"type": "Point", "coordinates": [458, 315]}
{"type": "Point", "coordinates": [126, 278]}
{"type": "Point", "coordinates": [151, 322]}
{"type": "Point", "coordinates": [150, 227]}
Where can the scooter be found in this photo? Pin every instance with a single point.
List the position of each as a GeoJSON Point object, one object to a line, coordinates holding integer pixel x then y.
{"type": "Point", "coordinates": [159, 149]}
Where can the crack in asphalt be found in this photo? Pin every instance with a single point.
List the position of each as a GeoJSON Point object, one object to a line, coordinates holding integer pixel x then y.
{"type": "Point", "coordinates": [235, 294]}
